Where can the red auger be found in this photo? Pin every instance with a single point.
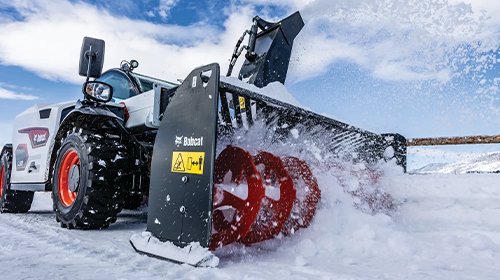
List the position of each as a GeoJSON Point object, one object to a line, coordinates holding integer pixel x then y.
{"type": "Point", "coordinates": [258, 197]}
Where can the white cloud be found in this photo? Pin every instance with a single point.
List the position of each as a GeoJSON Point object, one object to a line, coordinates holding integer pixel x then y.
{"type": "Point", "coordinates": [8, 94]}
{"type": "Point", "coordinates": [290, 4]}
{"type": "Point", "coordinates": [48, 40]}
{"type": "Point", "coordinates": [394, 40]}
{"type": "Point", "coordinates": [165, 6]}
{"type": "Point", "coordinates": [15, 87]}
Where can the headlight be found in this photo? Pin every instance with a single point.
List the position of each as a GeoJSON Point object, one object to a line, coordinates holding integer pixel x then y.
{"type": "Point", "coordinates": [98, 91]}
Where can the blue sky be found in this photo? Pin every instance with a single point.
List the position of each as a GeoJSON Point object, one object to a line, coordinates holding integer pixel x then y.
{"type": "Point", "coordinates": [421, 68]}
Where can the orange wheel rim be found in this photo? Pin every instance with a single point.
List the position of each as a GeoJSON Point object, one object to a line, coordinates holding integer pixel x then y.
{"type": "Point", "coordinates": [2, 175]}
{"type": "Point", "coordinates": [66, 177]}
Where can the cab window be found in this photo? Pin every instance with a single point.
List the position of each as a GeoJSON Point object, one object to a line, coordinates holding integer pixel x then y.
{"type": "Point", "coordinates": [122, 87]}
{"type": "Point", "coordinates": [146, 83]}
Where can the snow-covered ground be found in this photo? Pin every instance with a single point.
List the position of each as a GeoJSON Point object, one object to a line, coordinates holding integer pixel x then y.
{"type": "Point", "coordinates": [448, 227]}
{"type": "Point", "coordinates": [457, 159]}
{"type": "Point", "coordinates": [482, 163]}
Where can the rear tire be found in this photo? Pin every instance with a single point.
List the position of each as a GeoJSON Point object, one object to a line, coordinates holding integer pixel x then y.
{"type": "Point", "coordinates": [87, 193]}
{"type": "Point", "coordinates": [11, 201]}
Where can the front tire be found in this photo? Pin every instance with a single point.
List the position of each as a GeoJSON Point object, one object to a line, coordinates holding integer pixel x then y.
{"type": "Point", "coordinates": [11, 201]}
{"type": "Point", "coordinates": [87, 193]}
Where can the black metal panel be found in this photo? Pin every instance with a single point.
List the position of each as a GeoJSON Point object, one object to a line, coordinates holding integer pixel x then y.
{"type": "Point", "coordinates": [180, 202]}
{"type": "Point", "coordinates": [65, 112]}
{"type": "Point", "coordinates": [86, 109]}
{"type": "Point", "coordinates": [166, 96]}
{"type": "Point", "coordinates": [45, 113]}
{"type": "Point", "coordinates": [92, 52]}
{"type": "Point", "coordinates": [273, 48]}
{"type": "Point", "coordinates": [398, 143]}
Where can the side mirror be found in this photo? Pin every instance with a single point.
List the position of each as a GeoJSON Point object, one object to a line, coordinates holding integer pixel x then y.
{"type": "Point", "coordinates": [91, 57]}
{"type": "Point", "coordinates": [98, 91]}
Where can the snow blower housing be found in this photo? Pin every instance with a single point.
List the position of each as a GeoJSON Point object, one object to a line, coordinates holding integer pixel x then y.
{"type": "Point", "coordinates": [190, 175]}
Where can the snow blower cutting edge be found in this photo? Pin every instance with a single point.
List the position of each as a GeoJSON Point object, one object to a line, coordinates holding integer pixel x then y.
{"type": "Point", "coordinates": [193, 206]}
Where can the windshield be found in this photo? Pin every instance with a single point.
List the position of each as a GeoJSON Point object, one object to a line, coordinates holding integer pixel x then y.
{"type": "Point", "coordinates": [122, 86]}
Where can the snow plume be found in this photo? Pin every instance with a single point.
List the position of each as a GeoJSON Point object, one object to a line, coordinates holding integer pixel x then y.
{"type": "Point", "coordinates": [329, 153]}
{"type": "Point", "coordinates": [397, 40]}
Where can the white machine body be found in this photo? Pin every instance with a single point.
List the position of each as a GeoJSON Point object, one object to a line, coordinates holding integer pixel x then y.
{"type": "Point", "coordinates": [35, 130]}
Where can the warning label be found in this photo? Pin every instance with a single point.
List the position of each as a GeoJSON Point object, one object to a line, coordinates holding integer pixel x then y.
{"type": "Point", "coordinates": [188, 162]}
{"type": "Point", "coordinates": [242, 102]}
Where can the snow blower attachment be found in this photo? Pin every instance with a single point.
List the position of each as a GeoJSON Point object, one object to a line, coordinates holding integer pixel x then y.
{"type": "Point", "coordinates": [206, 191]}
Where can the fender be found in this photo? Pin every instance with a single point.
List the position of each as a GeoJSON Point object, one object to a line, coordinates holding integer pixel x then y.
{"type": "Point", "coordinates": [115, 111]}
{"type": "Point", "coordinates": [80, 115]}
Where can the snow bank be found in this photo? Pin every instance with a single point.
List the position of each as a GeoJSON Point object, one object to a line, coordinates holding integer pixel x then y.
{"type": "Point", "coordinates": [474, 163]}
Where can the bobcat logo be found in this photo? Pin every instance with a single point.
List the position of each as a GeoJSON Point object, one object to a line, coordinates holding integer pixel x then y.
{"type": "Point", "coordinates": [178, 140]}
{"type": "Point", "coordinates": [39, 136]}
{"type": "Point", "coordinates": [188, 141]}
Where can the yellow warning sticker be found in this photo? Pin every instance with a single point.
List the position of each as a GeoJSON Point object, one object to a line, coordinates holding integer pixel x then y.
{"type": "Point", "coordinates": [242, 102]}
{"type": "Point", "coordinates": [188, 162]}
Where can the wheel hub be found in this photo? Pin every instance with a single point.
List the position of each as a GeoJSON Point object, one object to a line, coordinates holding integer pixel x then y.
{"type": "Point", "coordinates": [69, 177]}
{"type": "Point", "coordinates": [74, 178]}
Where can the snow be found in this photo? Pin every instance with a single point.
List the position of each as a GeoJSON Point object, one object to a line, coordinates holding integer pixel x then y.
{"type": "Point", "coordinates": [479, 164]}
{"type": "Point", "coordinates": [447, 227]}
{"type": "Point", "coordinates": [274, 90]}
{"type": "Point", "coordinates": [239, 190]}
{"type": "Point", "coordinates": [193, 254]}
{"type": "Point", "coordinates": [455, 160]}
